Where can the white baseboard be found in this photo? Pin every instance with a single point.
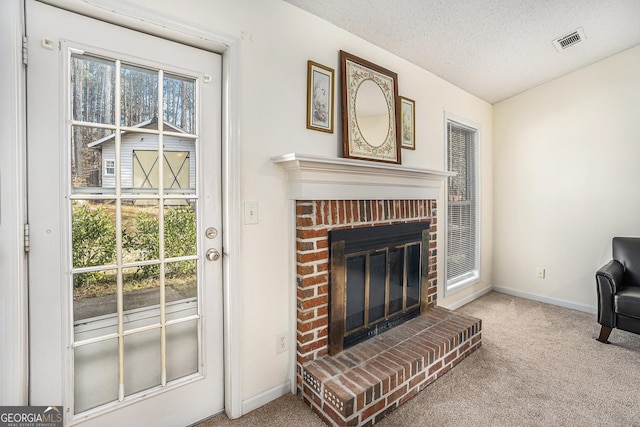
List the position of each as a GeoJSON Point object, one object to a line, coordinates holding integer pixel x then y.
{"type": "Point", "coordinates": [265, 397]}
{"type": "Point", "coordinates": [466, 300]}
{"type": "Point", "coordinates": [547, 300]}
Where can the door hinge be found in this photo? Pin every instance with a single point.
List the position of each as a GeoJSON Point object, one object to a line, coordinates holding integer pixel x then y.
{"type": "Point", "coordinates": [27, 243]}
{"type": "Point", "coordinates": [24, 50]}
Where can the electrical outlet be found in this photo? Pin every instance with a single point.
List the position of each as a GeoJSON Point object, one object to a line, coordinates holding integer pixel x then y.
{"type": "Point", "coordinates": [281, 343]}
{"type": "Point", "coordinates": [540, 273]}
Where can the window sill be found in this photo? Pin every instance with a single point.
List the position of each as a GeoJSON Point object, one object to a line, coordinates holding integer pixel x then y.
{"type": "Point", "coordinates": [462, 282]}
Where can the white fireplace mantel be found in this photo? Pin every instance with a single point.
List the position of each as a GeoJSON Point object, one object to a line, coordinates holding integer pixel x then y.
{"type": "Point", "coordinates": [331, 178]}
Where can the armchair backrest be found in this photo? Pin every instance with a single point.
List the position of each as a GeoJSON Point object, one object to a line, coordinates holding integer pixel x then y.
{"type": "Point", "coordinates": [626, 250]}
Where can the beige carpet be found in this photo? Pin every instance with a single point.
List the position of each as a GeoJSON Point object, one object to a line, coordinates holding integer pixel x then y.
{"type": "Point", "coordinates": [539, 365]}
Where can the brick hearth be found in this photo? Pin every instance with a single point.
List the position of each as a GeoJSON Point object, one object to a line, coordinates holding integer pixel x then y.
{"type": "Point", "coordinates": [362, 384]}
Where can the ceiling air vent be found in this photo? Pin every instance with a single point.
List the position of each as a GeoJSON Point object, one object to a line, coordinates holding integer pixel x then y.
{"type": "Point", "coordinates": [569, 40]}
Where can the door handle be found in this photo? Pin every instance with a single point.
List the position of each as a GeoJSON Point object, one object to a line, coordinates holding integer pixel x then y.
{"type": "Point", "coordinates": [213, 254]}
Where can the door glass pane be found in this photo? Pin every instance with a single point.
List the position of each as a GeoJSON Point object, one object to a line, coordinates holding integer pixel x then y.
{"type": "Point", "coordinates": [141, 296]}
{"type": "Point", "coordinates": [413, 275]}
{"type": "Point", "coordinates": [179, 99]}
{"type": "Point", "coordinates": [182, 349]}
{"type": "Point", "coordinates": [94, 295]}
{"type": "Point", "coordinates": [95, 374]}
{"type": "Point", "coordinates": [139, 97]}
{"type": "Point", "coordinates": [140, 234]}
{"type": "Point", "coordinates": [355, 292]}
{"type": "Point", "coordinates": [93, 159]}
{"type": "Point", "coordinates": [93, 233]}
{"type": "Point", "coordinates": [396, 271]}
{"type": "Point", "coordinates": [181, 280]}
{"type": "Point", "coordinates": [377, 285]}
{"type": "Point", "coordinates": [179, 228]}
{"type": "Point", "coordinates": [142, 363]}
{"type": "Point", "coordinates": [92, 89]}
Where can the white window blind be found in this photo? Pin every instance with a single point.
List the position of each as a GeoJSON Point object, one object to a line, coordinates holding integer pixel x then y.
{"type": "Point", "coordinates": [463, 254]}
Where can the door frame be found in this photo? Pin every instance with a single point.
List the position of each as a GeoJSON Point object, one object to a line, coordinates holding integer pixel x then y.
{"type": "Point", "coordinates": [124, 14]}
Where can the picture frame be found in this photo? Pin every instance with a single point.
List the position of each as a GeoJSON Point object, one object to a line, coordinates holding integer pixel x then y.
{"type": "Point", "coordinates": [370, 111]}
{"type": "Point", "coordinates": [320, 97]}
{"type": "Point", "coordinates": [407, 123]}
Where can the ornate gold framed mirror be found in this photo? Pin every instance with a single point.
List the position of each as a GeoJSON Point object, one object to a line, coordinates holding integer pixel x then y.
{"type": "Point", "coordinates": [369, 111]}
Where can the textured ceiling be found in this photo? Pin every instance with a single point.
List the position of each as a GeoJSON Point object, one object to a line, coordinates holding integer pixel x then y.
{"type": "Point", "coordinates": [493, 49]}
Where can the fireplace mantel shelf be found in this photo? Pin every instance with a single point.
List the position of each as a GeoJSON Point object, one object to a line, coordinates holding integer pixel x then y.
{"type": "Point", "coordinates": [323, 178]}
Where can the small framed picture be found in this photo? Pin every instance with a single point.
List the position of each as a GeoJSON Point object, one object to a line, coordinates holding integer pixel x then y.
{"type": "Point", "coordinates": [408, 123]}
{"type": "Point", "coordinates": [319, 97]}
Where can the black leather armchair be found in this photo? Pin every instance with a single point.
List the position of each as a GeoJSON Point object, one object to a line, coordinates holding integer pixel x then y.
{"type": "Point", "coordinates": [618, 287]}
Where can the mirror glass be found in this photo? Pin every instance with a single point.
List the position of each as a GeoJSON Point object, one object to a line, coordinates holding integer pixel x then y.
{"type": "Point", "coordinates": [372, 114]}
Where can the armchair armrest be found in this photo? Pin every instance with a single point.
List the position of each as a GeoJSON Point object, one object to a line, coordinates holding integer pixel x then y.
{"type": "Point", "coordinates": [609, 281]}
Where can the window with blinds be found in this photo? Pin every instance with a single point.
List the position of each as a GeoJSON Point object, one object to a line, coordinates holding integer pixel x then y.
{"type": "Point", "coordinates": [463, 250]}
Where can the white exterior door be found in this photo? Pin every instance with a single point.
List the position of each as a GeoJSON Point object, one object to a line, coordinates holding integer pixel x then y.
{"type": "Point", "coordinates": [125, 288]}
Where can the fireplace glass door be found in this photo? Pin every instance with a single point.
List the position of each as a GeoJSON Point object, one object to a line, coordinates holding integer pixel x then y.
{"type": "Point", "coordinates": [377, 279]}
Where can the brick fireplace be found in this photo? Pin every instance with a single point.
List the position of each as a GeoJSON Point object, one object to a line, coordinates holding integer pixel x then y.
{"type": "Point", "coordinates": [363, 383]}
{"type": "Point", "coordinates": [314, 219]}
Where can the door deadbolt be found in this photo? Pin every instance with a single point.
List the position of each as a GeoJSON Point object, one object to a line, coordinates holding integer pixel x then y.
{"type": "Point", "coordinates": [211, 233]}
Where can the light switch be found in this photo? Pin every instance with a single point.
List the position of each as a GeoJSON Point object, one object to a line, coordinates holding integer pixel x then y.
{"type": "Point", "coordinates": [250, 212]}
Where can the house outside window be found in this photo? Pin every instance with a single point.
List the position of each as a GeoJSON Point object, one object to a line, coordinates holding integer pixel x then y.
{"type": "Point", "coordinates": [463, 207]}
{"type": "Point", "coordinates": [110, 167]}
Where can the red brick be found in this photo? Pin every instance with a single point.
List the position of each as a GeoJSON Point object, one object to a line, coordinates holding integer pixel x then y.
{"type": "Point", "coordinates": [304, 349]}
{"type": "Point", "coordinates": [322, 311]}
{"type": "Point", "coordinates": [318, 213]}
{"type": "Point", "coordinates": [373, 409]}
{"type": "Point", "coordinates": [305, 293]}
{"type": "Point", "coordinates": [305, 245]}
{"type": "Point", "coordinates": [309, 326]}
{"type": "Point", "coordinates": [408, 396]}
{"type": "Point", "coordinates": [417, 379]}
{"type": "Point", "coordinates": [306, 315]}
{"type": "Point", "coordinates": [305, 338]}
{"type": "Point", "coordinates": [322, 244]}
{"type": "Point", "coordinates": [355, 212]}
{"type": "Point", "coordinates": [334, 416]}
{"type": "Point", "coordinates": [401, 363]}
{"type": "Point", "coordinates": [303, 208]}
{"type": "Point", "coordinates": [435, 367]}
{"type": "Point", "coordinates": [314, 280]}
{"type": "Point", "coordinates": [304, 270]}
{"type": "Point", "coordinates": [381, 376]}
{"type": "Point", "coordinates": [302, 359]}
{"type": "Point", "coordinates": [334, 212]}
{"type": "Point", "coordinates": [323, 266]}
{"type": "Point", "coordinates": [449, 357]}
{"type": "Point", "coordinates": [310, 233]}
{"type": "Point", "coordinates": [313, 256]}
{"type": "Point", "coordinates": [303, 221]}
{"type": "Point", "coordinates": [463, 347]}
{"type": "Point", "coordinates": [396, 394]}
{"type": "Point", "coordinates": [325, 213]}
{"type": "Point", "coordinates": [308, 391]}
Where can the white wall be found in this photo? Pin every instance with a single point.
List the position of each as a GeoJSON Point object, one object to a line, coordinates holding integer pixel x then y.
{"type": "Point", "coordinates": [566, 170]}
{"type": "Point", "coordinates": [276, 41]}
